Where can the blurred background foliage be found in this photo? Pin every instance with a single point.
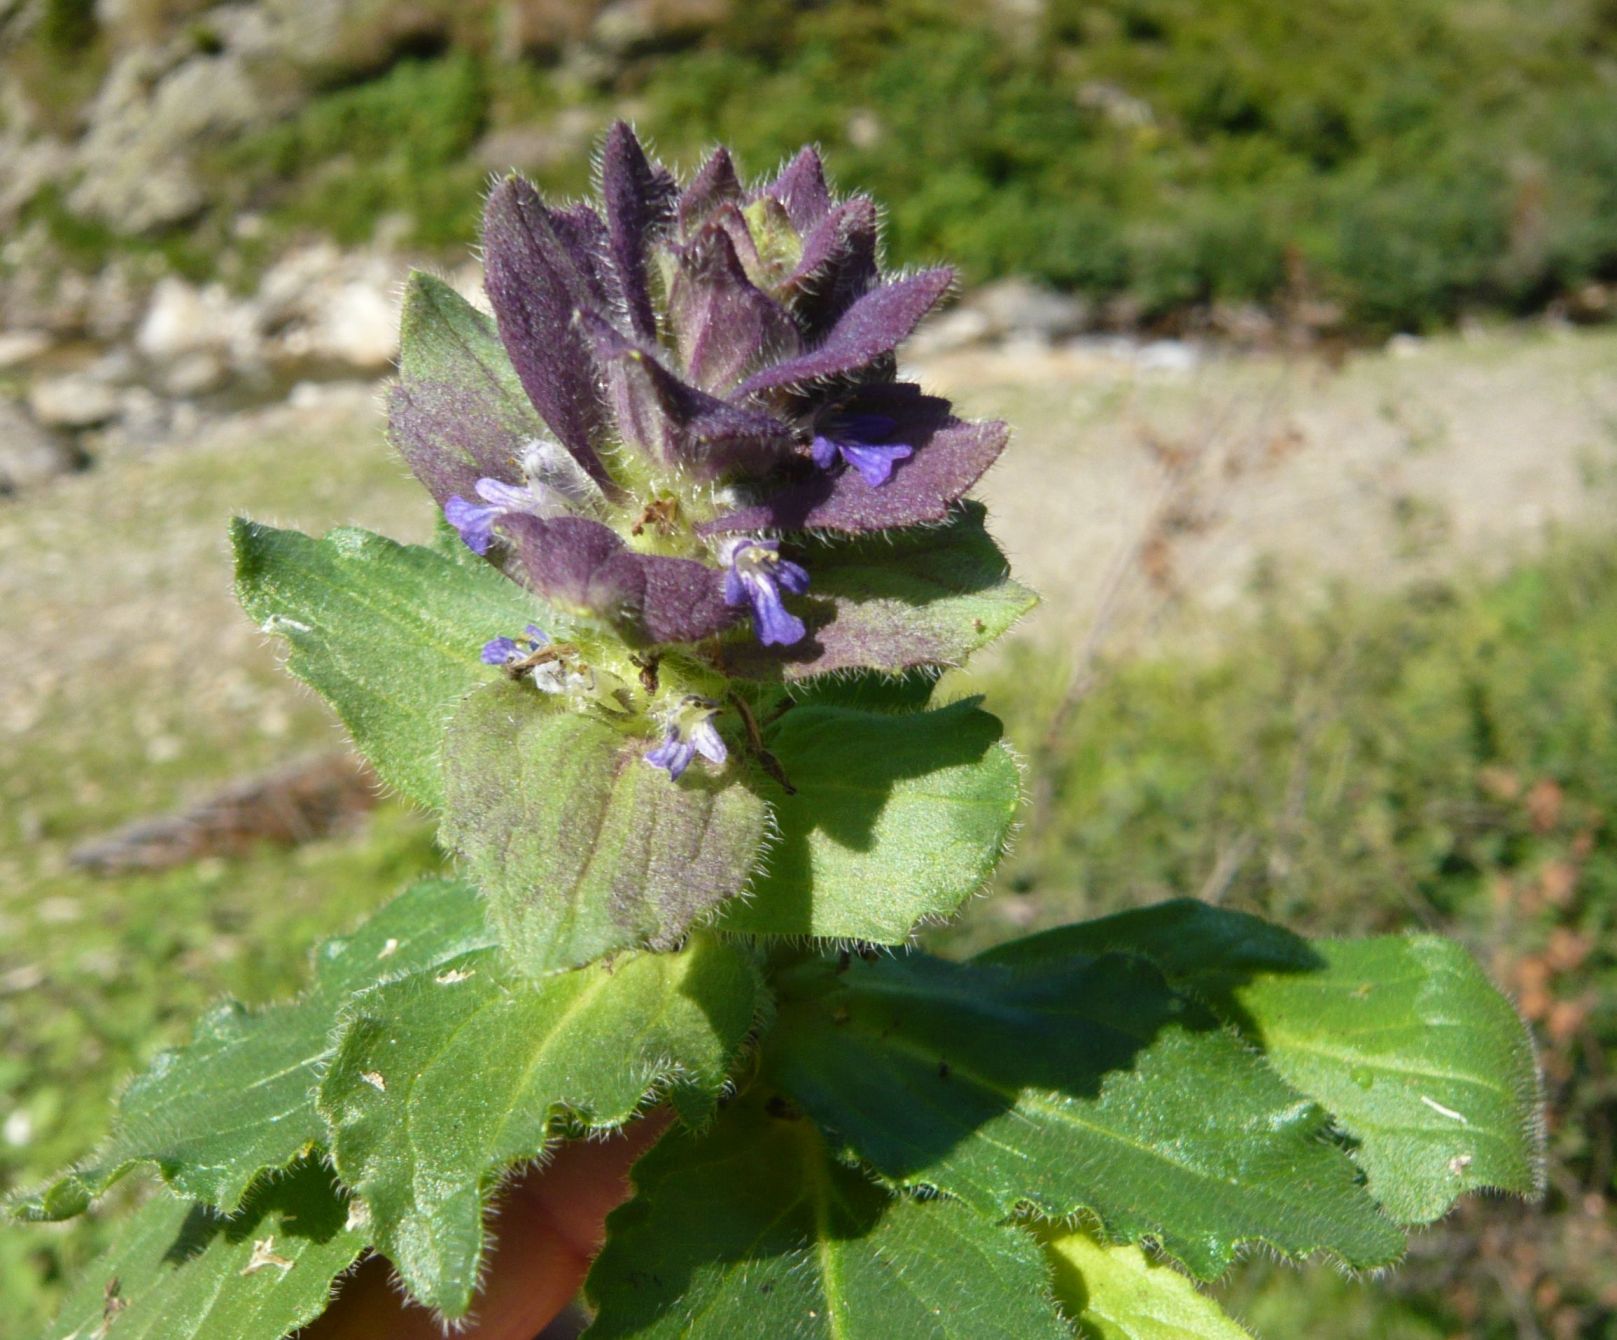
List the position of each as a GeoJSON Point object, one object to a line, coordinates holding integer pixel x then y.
{"type": "Point", "coordinates": [1394, 162]}
{"type": "Point", "coordinates": [1439, 752]}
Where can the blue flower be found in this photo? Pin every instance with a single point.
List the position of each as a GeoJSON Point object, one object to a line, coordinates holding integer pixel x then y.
{"type": "Point", "coordinates": [506, 650]}
{"type": "Point", "coordinates": [755, 575]}
{"type": "Point", "coordinates": [688, 733]}
{"type": "Point", "coordinates": [475, 524]}
{"type": "Point", "coordinates": [858, 440]}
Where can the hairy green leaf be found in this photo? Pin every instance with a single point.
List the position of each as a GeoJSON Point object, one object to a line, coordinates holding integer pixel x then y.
{"type": "Point", "coordinates": [924, 596]}
{"type": "Point", "coordinates": [1081, 1085]}
{"type": "Point", "coordinates": [445, 1079]}
{"type": "Point", "coordinates": [582, 849]}
{"type": "Point", "coordinates": [895, 819]}
{"type": "Point", "coordinates": [1120, 1293]}
{"type": "Point", "coordinates": [181, 1271]}
{"type": "Point", "coordinates": [753, 1229]}
{"type": "Point", "coordinates": [388, 634]}
{"type": "Point", "coordinates": [238, 1099]}
{"type": "Point", "coordinates": [1403, 1039]}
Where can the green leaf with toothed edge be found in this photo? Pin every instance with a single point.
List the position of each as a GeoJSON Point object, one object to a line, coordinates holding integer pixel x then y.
{"type": "Point", "coordinates": [180, 1271]}
{"type": "Point", "coordinates": [1120, 1293]}
{"type": "Point", "coordinates": [238, 1099]}
{"type": "Point", "coordinates": [445, 1079]}
{"type": "Point", "coordinates": [895, 819]}
{"type": "Point", "coordinates": [1079, 1085]}
{"type": "Point", "coordinates": [1402, 1038]}
{"type": "Point", "coordinates": [388, 634]}
{"type": "Point", "coordinates": [581, 847]}
{"type": "Point", "coordinates": [753, 1229]}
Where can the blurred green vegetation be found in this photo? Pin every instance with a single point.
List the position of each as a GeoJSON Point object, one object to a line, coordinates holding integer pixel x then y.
{"type": "Point", "coordinates": [1445, 759]}
{"type": "Point", "coordinates": [1401, 160]}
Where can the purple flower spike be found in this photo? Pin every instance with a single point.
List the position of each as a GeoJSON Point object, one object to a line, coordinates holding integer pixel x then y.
{"type": "Point", "coordinates": [688, 733]}
{"type": "Point", "coordinates": [857, 439]}
{"type": "Point", "coordinates": [668, 376]}
{"type": "Point", "coordinates": [756, 574]}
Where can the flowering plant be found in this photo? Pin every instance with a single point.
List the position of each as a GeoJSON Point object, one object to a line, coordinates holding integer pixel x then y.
{"type": "Point", "coordinates": [667, 675]}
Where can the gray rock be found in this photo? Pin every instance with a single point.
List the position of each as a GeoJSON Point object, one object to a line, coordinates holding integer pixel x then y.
{"type": "Point", "coordinates": [626, 26]}
{"type": "Point", "coordinates": [181, 319]}
{"type": "Point", "coordinates": [73, 401]}
{"type": "Point", "coordinates": [1171, 356]}
{"type": "Point", "coordinates": [959, 329]}
{"type": "Point", "coordinates": [22, 346]}
{"type": "Point", "coordinates": [1020, 308]}
{"type": "Point", "coordinates": [194, 374]}
{"type": "Point", "coordinates": [147, 120]}
{"type": "Point", "coordinates": [318, 304]}
{"type": "Point", "coordinates": [29, 454]}
{"type": "Point", "coordinates": [563, 139]}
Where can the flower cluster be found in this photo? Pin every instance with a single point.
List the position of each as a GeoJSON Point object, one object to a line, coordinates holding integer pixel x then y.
{"type": "Point", "coordinates": [694, 380]}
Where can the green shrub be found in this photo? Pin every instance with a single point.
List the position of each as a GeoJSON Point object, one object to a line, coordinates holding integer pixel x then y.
{"type": "Point", "coordinates": [396, 145]}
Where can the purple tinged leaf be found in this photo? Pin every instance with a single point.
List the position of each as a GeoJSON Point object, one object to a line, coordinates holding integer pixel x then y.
{"type": "Point", "coordinates": [461, 413]}
{"type": "Point", "coordinates": [639, 205]}
{"type": "Point", "coordinates": [714, 184]}
{"type": "Point", "coordinates": [872, 326]}
{"type": "Point", "coordinates": [802, 190]}
{"type": "Point", "coordinates": [647, 597]}
{"type": "Point", "coordinates": [539, 270]}
{"type": "Point", "coordinates": [950, 455]}
{"type": "Point", "coordinates": [675, 422]}
{"type": "Point", "coordinates": [452, 436]}
{"type": "Point", "coordinates": [837, 266]}
{"type": "Point", "coordinates": [723, 326]}
{"type": "Point", "coordinates": [928, 596]}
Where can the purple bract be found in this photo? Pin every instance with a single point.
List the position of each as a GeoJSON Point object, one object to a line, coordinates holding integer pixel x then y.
{"type": "Point", "coordinates": [667, 379]}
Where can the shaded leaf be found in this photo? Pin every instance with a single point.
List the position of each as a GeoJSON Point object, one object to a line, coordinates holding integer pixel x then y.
{"type": "Point", "coordinates": [388, 634]}
{"type": "Point", "coordinates": [927, 596]}
{"type": "Point", "coordinates": [895, 819]}
{"type": "Point", "coordinates": [540, 268]}
{"type": "Point", "coordinates": [445, 1079]}
{"type": "Point", "coordinates": [1404, 1039]}
{"type": "Point", "coordinates": [238, 1100]}
{"type": "Point", "coordinates": [581, 847]}
{"type": "Point", "coordinates": [872, 325]}
{"type": "Point", "coordinates": [639, 198]}
{"type": "Point", "coordinates": [185, 1272]}
{"type": "Point", "coordinates": [584, 566]}
{"type": "Point", "coordinates": [1080, 1085]}
{"type": "Point", "coordinates": [950, 455]}
{"type": "Point", "coordinates": [1120, 1293]}
{"type": "Point", "coordinates": [753, 1229]}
